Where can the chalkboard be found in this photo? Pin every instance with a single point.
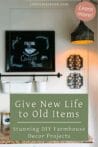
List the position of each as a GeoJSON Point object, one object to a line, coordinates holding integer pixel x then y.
{"type": "Point", "coordinates": [30, 51]}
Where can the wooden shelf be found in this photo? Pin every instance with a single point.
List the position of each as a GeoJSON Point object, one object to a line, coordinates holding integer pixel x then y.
{"type": "Point", "coordinates": [5, 139]}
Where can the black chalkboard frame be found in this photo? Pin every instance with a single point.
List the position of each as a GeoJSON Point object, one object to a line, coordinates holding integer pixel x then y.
{"type": "Point", "coordinates": [18, 60]}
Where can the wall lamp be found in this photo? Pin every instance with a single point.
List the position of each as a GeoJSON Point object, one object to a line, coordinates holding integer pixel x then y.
{"type": "Point", "coordinates": [82, 35]}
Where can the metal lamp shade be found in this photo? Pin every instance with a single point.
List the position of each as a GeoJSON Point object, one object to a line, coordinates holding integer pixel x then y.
{"type": "Point", "coordinates": [82, 35]}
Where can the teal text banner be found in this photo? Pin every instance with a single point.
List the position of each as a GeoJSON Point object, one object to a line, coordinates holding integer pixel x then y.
{"type": "Point", "coordinates": [49, 117]}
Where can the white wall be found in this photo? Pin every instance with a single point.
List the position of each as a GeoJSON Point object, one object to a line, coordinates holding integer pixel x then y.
{"type": "Point", "coordinates": [93, 86]}
{"type": "Point", "coordinates": [62, 21]}
{"type": "Point", "coordinates": [17, 15]}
